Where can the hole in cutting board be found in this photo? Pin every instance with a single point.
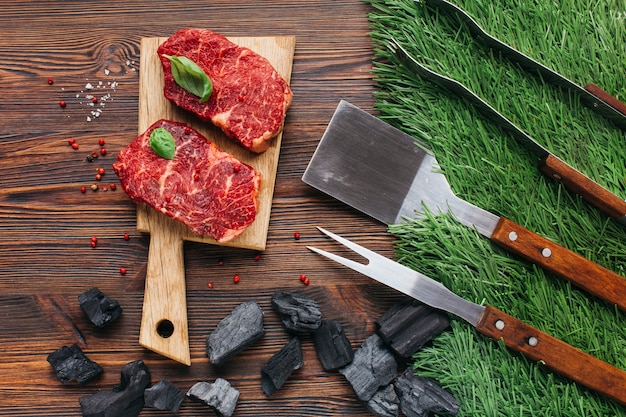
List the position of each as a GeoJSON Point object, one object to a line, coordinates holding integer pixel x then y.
{"type": "Point", "coordinates": [165, 328]}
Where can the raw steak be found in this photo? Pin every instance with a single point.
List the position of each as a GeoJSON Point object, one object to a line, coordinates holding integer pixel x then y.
{"type": "Point", "coordinates": [249, 98]}
{"type": "Point", "coordinates": [209, 190]}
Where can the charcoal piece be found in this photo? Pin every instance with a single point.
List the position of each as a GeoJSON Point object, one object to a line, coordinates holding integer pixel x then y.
{"type": "Point", "coordinates": [332, 345]}
{"type": "Point", "coordinates": [373, 366]}
{"type": "Point", "coordinates": [164, 396]}
{"type": "Point", "coordinates": [409, 325]}
{"type": "Point", "coordinates": [299, 313]}
{"type": "Point", "coordinates": [236, 332]}
{"type": "Point", "coordinates": [384, 403]}
{"type": "Point", "coordinates": [99, 308]}
{"type": "Point", "coordinates": [280, 366]}
{"type": "Point", "coordinates": [220, 396]}
{"type": "Point", "coordinates": [124, 400]}
{"type": "Point", "coordinates": [420, 396]}
{"type": "Point", "coordinates": [71, 364]}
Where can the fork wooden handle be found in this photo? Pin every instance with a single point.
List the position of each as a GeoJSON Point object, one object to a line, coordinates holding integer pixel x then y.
{"type": "Point", "coordinates": [588, 275]}
{"type": "Point", "coordinates": [591, 191]}
{"type": "Point", "coordinates": [557, 355]}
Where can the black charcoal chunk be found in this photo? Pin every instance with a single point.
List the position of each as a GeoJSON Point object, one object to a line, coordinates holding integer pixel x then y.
{"type": "Point", "coordinates": [332, 345]}
{"type": "Point", "coordinates": [299, 313]}
{"type": "Point", "coordinates": [409, 325]}
{"type": "Point", "coordinates": [124, 400]}
{"type": "Point", "coordinates": [420, 396]}
{"type": "Point", "coordinates": [99, 308]}
{"type": "Point", "coordinates": [236, 332]}
{"type": "Point", "coordinates": [373, 366]}
{"type": "Point", "coordinates": [71, 364]}
{"type": "Point", "coordinates": [384, 403]}
{"type": "Point", "coordinates": [220, 396]}
{"type": "Point", "coordinates": [280, 366]}
{"type": "Point", "coordinates": [164, 396]}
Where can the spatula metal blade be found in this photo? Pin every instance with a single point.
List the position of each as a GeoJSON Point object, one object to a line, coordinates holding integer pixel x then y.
{"type": "Point", "coordinates": [383, 172]}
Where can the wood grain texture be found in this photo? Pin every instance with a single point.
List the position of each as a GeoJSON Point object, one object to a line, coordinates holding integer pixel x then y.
{"type": "Point", "coordinates": [46, 223]}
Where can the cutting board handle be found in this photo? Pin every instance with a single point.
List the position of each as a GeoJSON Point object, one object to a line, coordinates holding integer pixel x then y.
{"type": "Point", "coordinates": [164, 318]}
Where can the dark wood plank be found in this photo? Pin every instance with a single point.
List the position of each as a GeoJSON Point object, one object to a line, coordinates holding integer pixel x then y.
{"type": "Point", "coordinates": [46, 222]}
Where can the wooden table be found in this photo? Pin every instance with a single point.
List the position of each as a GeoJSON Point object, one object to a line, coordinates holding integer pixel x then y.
{"type": "Point", "coordinates": [46, 223]}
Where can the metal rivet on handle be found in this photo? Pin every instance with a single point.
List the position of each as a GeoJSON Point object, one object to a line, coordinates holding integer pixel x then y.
{"type": "Point", "coordinates": [533, 341]}
{"type": "Point", "coordinates": [512, 236]}
{"type": "Point", "coordinates": [546, 252]}
{"type": "Point", "coordinates": [499, 324]}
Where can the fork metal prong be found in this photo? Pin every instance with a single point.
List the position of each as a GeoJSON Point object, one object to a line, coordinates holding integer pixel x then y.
{"type": "Point", "coordinates": [370, 255]}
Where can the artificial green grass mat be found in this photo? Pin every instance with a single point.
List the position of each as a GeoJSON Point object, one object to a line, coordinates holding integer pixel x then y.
{"type": "Point", "coordinates": [585, 41]}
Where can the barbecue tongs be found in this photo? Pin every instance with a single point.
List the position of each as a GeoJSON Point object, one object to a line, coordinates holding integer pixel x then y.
{"type": "Point", "coordinates": [557, 355]}
{"type": "Point", "coordinates": [549, 164]}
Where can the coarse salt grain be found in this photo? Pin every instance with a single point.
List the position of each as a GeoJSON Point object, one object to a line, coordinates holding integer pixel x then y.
{"type": "Point", "coordinates": [106, 71]}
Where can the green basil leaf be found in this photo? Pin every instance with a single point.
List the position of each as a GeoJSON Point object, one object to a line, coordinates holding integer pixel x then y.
{"type": "Point", "coordinates": [162, 143]}
{"type": "Point", "coordinates": [190, 76]}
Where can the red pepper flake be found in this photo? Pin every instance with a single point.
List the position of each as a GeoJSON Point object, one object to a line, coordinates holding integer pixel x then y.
{"type": "Point", "coordinates": [209, 284]}
{"type": "Point", "coordinates": [101, 142]}
{"type": "Point", "coordinates": [257, 257]}
{"type": "Point", "coordinates": [62, 103]}
{"type": "Point", "coordinates": [126, 236]}
{"type": "Point", "coordinates": [83, 190]}
{"type": "Point", "coordinates": [123, 271]}
{"type": "Point", "coordinates": [236, 279]}
{"type": "Point", "coordinates": [296, 235]}
{"type": "Point", "coordinates": [50, 81]}
{"type": "Point", "coordinates": [103, 151]}
{"type": "Point", "coordinates": [112, 186]}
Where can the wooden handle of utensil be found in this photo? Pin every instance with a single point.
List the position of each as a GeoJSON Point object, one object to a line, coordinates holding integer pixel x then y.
{"type": "Point", "coordinates": [557, 355]}
{"type": "Point", "coordinates": [588, 275]}
{"type": "Point", "coordinates": [606, 201]}
{"type": "Point", "coordinates": [164, 317]}
{"type": "Point", "coordinates": [606, 97]}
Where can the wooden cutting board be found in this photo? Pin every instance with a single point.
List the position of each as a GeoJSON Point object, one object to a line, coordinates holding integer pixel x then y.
{"type": "Point", "coordinates": [164, 318]}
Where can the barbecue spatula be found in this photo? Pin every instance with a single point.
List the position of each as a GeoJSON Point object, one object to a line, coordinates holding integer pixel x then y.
{"type": "Point", "coordinates": [385, 173]}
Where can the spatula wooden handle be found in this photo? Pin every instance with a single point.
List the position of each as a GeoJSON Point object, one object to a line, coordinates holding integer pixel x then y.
{"type": "Point", "coordinates": [582, 272]}
{"type": "Point", "coordinates": [557, 355]}
{"type": "Point", "coordinates": [591, 191]}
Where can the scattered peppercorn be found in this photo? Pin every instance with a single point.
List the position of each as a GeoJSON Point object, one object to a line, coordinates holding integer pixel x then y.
{"type": "Point", "coordinates": [50, 81]}
{"type": "Point", "coordinates": [94, 154]}
{"type": "Point", "coordinates": [83, 190]}
{"type": "Point", "coordinates": [302, 277]}
{"type": "Point", "coordinates": [62, 103]}
{"type": "Point", "coordinates": [220, 261]}
{"type": "Point", "coordinates": [306, 281]}
{"type": "Point", "coordinates": [104, 188]}
{"type": "Point", "coordinates": [126, 236]}
{"type": "Point", "coordinates": [103, 151]}
{"type": "Point", "coordinates": [210, 285]}
{"type": "Point", "coordinates": [257, 257]}
{"type": "Point", "coordinates": [123, 271]}
{"type": "Point", "coordinates": [112, 186]}
{"type": "Point", "coordinates": [236, 279]}
{"type": "Point", "coordinates": [101, 171]}
{"type": "Point", "coordinates": [94, 187]}
{"type": "Point", "coordinates": [94, 99]}
{"type": "Point", "coordinates": [296, 235]}
{"type": "Point", "coordinates": [74, 145]}
{"type": "Point", "coordinates": [94, 238]}
{"type": "Point", "coordinates": [101, 142]}
{"type": "Point", "coordinates": [187, 130]}
{"type": "Point", "coordinates": [71, 141]}
{"type": "Point", "coordinates": [98, 177]}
